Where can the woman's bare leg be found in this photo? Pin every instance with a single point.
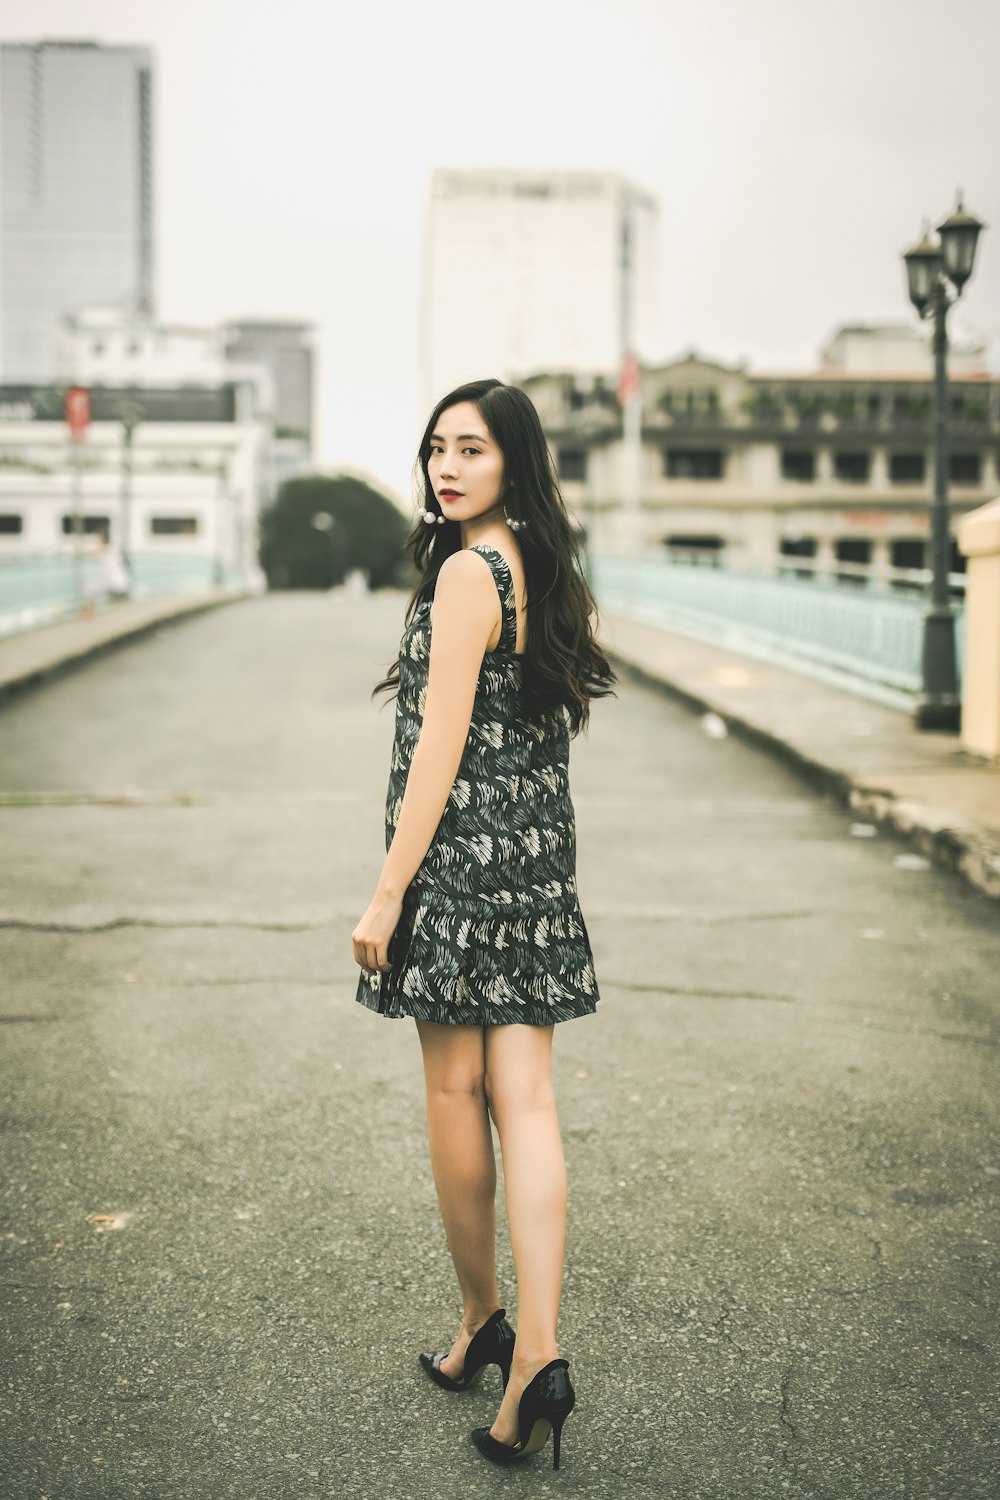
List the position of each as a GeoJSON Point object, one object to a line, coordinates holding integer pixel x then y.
{"type": "Point", "coordinates": [522, 1102]}
{"type": "Point", "coordinates": [464, 1167]}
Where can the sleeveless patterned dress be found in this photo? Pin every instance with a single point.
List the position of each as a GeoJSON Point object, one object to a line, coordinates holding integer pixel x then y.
{"type": "Point", "coordinates": [491, 931]}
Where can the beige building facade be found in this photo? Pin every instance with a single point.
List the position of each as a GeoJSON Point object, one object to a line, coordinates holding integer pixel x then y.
{"type": "Point", "coordinates": [815, 472]}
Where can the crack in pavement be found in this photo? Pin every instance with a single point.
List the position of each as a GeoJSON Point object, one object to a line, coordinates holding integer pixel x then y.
{"type": "Point", "coordinates": [183, 984]}
{"type": "Point", "coordinates": [694, 993]}
{"type": "Point", "coordinates": [864, 1023]}
{"type": "Point", "coordinates": [612, 912]}
{"type": "Point", "coordinates": [25, 925]}
{"type": "Point", "coordinates": [137, 798]}
{"type": "Point", "coordinates": [21, 1020]}
{"type": "Point", "coordinates": [695, 918]}
{"type": "Point", "coordinates": [784, 1413]}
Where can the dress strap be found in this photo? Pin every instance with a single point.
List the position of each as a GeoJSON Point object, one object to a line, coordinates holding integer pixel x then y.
{"type": "Point", "coordinates": [504, 581]}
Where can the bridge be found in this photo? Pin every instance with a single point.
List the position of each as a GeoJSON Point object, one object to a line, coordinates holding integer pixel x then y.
{"type": "Point", "coordinates": [855, 628]}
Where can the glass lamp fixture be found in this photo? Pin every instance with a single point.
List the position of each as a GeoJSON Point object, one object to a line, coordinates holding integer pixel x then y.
{"type": "Point", "coordinates": [923, 262]}
{"type": "Point", "coordinates": [959, 237]}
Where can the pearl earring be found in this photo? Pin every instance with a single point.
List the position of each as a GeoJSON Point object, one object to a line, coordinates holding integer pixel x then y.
{"type": "Point", "coordinates": [429, 516]}
{"type": "Point", "coordinates": [514, 525]}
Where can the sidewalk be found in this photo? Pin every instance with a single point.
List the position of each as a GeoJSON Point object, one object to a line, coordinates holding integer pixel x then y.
{"type": "Point", "coordinates": [34, 655]}
{"type": "Point", "coordinates": [919, 782]}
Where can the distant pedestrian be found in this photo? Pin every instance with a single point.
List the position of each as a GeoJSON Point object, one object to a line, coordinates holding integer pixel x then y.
{"type": "Point", "coordinates": [114, 575]}
{"type": "Point", "coordinates": [475, 929]}
{"type": "Point", "coordinates": [111, 580]}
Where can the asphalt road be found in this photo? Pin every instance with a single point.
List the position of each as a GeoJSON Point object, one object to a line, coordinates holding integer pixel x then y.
{"type": "Point", "coordinates": [221, 1246]}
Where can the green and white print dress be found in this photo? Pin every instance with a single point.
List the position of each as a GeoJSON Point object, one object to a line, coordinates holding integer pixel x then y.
{"type": "Point", "coordinates": [491, 931]}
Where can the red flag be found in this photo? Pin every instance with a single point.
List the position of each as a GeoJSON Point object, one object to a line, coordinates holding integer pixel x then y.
{"type": "Point", "coordinates": [77, 411]}
{"type": "Point", "coordinates": [628, 381]}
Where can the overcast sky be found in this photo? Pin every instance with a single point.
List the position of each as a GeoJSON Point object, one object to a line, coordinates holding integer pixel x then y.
{"type": "Point", "coordinates": [795, 148]}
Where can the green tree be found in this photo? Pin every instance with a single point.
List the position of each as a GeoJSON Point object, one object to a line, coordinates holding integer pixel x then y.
{"type": "Point", "coordinates": [365, 530]}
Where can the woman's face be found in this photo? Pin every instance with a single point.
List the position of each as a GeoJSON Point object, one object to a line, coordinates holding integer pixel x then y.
{"type": "Point", "coordinates": [464, 458]}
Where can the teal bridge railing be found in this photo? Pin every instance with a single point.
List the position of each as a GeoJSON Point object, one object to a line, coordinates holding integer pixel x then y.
{"type": "Point", "coordinates": [40, 588]}
{"type": "Point", "coordinates": [867, 639]}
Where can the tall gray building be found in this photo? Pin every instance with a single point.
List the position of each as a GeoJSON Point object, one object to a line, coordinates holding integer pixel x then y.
{"type": "Point", "coordinates": [285, 347]}
{"type": "Point", "coordinates": [76, 193]}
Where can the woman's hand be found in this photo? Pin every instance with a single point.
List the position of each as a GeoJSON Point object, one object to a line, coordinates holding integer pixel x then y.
{"type": "Point", "coordinates": [372, 934]}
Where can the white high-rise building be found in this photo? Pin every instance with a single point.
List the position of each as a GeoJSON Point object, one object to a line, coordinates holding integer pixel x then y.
{"type": "Point", "coordinates": [530, 270]}
{"type": "Point", "coordinates": [76, 196]}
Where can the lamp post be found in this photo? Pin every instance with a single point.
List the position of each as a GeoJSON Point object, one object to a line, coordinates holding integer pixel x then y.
{"type": "Point", "coordinates": [77, 408]}
{"type": "Point", "coordinates": [323, 521]}
{"type": "Point", "coordinates": [130, 413]}
{"type": "Point", "coordinates": [585, 429]}
{"type": "Point", "coordinates": [929, 267]}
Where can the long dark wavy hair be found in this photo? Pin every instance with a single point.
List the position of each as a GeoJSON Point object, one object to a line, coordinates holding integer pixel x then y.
{"type": "Point", "coordinates": [563, 667]}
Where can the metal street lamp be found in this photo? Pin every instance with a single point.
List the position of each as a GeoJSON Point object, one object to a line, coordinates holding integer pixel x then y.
{"type": "Point", "coordinates": [323, 521]}
{"type": "Point", "coordinates": [586, 428]}
{"type": "Point", "coordinates": [130, 413]}
{"type": "Point", "coordinates": [929, 267]}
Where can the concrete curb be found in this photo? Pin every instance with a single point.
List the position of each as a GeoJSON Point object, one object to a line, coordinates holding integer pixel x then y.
{"type": "Point", "coordinates": [45, 669]}
{"type": "Point", "coordinates": [951, 841]}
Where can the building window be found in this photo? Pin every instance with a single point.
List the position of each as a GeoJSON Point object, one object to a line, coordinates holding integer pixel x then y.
{"type": "Point", "coordinates": [712, 402]}
{"type": "Point", "coordinates": [797, 546]}
{"type": "Point", "coordinates": [856, 550]}
{"type": "Point", "coordinates": [798, 463]}
{"type": "Point", "coordinates": [763, 404]}
{"type": "Point", "coordinates": [964, 468]}
{"type": "Point", "coordinates": [173, 525]}
{"type": "Point", "coordinates": [11, 524]}
{"type": "Point", "coordinates": [700, 549]}
{"type": "Point", "coordinates": [968, 409]}
{"type": "Point", "coordinates": [907, 552]}
{"type": "Point", "coordinates": [907, 468]}
{"type": "Point", "coordinates": [853, 549]}
{"type": "Point", "coordinates": [694, 463]}
{"type": "Point", "coordinates": [572, 463]}
{"type": "Point", "coordinates": [852, 468]}
{"type": "Point", "coordinates": [809, 402]}
{"type": "Point", "coordinates": [89, 526]}
{"type": "Point", "coordinates": [667, 400]}
{"type": "Point", "coordinates": [910, 408]}
{"type": "Point", "coordinates": [874, 408]}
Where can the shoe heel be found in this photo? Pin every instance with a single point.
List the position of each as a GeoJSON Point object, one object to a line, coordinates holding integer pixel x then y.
{"type": "Point", "coordinates": [557, 1427]}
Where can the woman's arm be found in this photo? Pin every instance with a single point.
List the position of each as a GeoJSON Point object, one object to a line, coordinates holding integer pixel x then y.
{"type": "Point", "coordinates": [464, 615]}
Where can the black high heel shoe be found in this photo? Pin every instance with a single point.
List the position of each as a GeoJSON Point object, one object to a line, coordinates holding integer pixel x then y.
{"type": "Point", "coordinates": [545, 1403]}
{"type": "Point", "coordinates": [491, 1344]}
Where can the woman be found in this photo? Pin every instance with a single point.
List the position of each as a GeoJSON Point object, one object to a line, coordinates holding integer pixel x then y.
{"type": "Point", "coordinates": [475, 928]}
